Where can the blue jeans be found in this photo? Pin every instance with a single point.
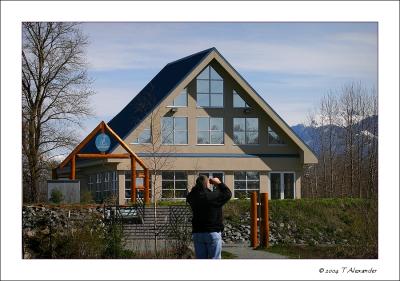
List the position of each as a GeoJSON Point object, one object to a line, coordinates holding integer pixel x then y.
{"type": "Point", "coordinates": [207, 245]}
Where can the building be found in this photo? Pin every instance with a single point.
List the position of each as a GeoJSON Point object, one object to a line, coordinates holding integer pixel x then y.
{"type": "Point", "coordinates": [199, 116]}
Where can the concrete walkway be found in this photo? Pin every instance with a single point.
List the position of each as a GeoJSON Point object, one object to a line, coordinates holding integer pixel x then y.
{"type": "Point", "coordinates": [243, 251]}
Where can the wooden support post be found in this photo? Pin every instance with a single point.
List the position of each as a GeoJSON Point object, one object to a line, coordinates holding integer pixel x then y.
{"type": "Point", "coordinates": [72, 176]}
{"type": "Point", "coordinates": [133, 180]}
{"type": "Point", "coordinates": [146, 186]}
{"type": "Point", "coordinates": [264, 226]}
{"type": "Point", "coordinates": [253, 216]}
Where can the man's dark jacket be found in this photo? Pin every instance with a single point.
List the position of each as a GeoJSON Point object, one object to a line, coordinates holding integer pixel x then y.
{"type": "Point", "coordinates": [207, 207]}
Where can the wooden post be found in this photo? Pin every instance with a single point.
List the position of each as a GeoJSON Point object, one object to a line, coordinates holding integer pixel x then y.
{"type": "Point", "coordinates": [253, 215]}
{"type": "Point", "coordinates": [133, 180]}
{"type": "Point", "coordinates": [72, 176]}
{"type": "Point", "coordinates": [146, 186]}
{"type": "Point", "coordinates": [264, 224]}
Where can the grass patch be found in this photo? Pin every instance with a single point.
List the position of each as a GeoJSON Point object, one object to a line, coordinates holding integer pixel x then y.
{"type": "Point", "coordinates": [322, 252]}
{"type": "Point", "coordinates": [355, 220]}
{"type": "Point", "coordinates": [234, 209]}
{"type": "Point", "coordinates": [171, 202]}
{"type": "Point", "coordinates": [350, 225]}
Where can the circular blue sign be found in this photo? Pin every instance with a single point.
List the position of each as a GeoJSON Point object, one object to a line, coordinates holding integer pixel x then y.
{"type": "Point", "coordinates": [103, 142]}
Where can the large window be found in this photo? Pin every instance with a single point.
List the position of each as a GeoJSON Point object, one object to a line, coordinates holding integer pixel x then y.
{"type": "Point", "coordinates": [238, 102]}
{"type": "Point", "coordinates": [274, 138]}
{"type": "Point", "coordinates": [210, 130]}
{"type": "Point", "coordinates": [181, 99]}
{"type": "Point", "coordinates": [174, 185]}
{"type": "Point", "coordinates": [282, 185]}
{"type": "Point", "coordinates": [210, 88]}
{"type": "Point", "coordinates": [245, 130]}
{"type": "Point", "coordinates": [174, 130]}
{"type": "Point", "coordinates": [245, 183]}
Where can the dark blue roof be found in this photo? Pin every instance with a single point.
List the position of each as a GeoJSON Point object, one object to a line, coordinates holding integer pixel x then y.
{"type": "Point", "coordinates": [150, 96]}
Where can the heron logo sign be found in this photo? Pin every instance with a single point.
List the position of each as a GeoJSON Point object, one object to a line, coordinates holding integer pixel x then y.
{"type": "Point", "coordinates": [103, 142]}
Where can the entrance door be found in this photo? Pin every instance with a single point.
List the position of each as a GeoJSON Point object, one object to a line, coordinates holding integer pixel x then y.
{"type": "Point", "coordinates": [282, 185]}
{"type": "Point", "coordinates": [219, 175]}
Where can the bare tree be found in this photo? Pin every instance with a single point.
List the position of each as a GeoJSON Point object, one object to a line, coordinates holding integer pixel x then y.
{"type": "Point", "coordinates": [329, 110]}
{"type": "Point", "coordinates": [158, 160]}
{"type": "Point", "coordinates": [313, 169]}
{"type": "Point", "coordinates": [55, 94]}
{"type": "Point", "coordinates": [372, 145]}
{"type": "Point", "coordinates": [347, 108]}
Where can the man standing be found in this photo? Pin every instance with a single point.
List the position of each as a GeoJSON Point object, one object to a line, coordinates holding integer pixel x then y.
{"type": "Point", "coordinates": [207, 216]}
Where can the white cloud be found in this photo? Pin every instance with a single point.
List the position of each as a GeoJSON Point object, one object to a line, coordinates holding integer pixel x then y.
{"type": "Point", "coordinates": [138, 47]}
{"type": "Point", "coordinates": [322, 58]}
{"type": "Point", "coordinates": [314, 64]}
{"type": "Point", "coordinates": [361, 38]}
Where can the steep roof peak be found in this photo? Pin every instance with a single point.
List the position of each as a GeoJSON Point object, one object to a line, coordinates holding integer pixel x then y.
{"type": "Point", "coordinates": [204, 52]}
{"type": "Point", "coordinates": [151, 95]}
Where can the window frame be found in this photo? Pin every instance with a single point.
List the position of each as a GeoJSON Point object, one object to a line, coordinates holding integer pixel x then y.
{"type": "Point", "coordinates": [209, 79]}
{"type": "Point", "coordinates": [246, 105]}
{"type": "Point", "coordinates": [173, 131]}
{"type": "Point", "coordinates": [137, 184]}
{"type": "Point", "coordinates": [209, 131]}
{"type": "Point", "coordinates": [91, 182]}
{"type": "Point", "coordinates": [245, 130]}
{"type": "Point", "coordinates": [106, 183]}
{"type": "Point", "coordinates": [282, 185]}
{"type": "Point", "coordinates": [246, 182]}
{"type": "Point", "coordinates": [180, 106]}
{"type": "Point", "coordinates": [274, 144]}
{"type": "Point", "coordinates": [114, 182]}
{"type": "Point", "coordinates": [136, 140]}
{"type": "Point", "coordinates": [98, 187]}
{"type": "Point", "coordinates": [174, 180]}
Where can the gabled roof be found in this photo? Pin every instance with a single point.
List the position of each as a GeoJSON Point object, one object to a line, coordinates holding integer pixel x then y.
{"type": "Point", "coordinates": [168, 79]}
{"type": "Point", "coordinates": [150, 96]}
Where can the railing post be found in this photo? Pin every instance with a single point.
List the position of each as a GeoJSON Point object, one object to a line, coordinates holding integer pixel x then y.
{"type": "Point", "coordinates": [253, 215]}
{"type": "Point", "coordinates": [133, 180]}
{"type": "Point", "coordinates": [146, 186]}
{"type": "Point", "coordinates": [264, 224]}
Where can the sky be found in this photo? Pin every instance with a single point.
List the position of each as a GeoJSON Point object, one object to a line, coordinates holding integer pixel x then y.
{"type": "Point", "coordinates": [291, 65]}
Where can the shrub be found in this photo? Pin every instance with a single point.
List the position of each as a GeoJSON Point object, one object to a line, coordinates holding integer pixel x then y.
{"type": "Point", "coordinates": [87, 197]}
{"type": "Point", "coordinates": [89, 237]}
{"type": "Point", "coordinates": [56, 196]}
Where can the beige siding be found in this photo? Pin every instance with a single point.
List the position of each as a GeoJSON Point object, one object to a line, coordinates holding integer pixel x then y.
{"type": "Point", "coordinates": [228, 165]}
{"type": "Point", "coordinates": [192, 112]}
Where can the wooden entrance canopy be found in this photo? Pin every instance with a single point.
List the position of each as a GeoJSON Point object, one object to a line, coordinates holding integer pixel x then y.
{"type": "Point", "coordinates": [103, 127]}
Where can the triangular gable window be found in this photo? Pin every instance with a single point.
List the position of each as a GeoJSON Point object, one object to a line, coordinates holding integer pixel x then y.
{"type": "Point", "coordinates": [180, 100]}
{"type": "Point", "coordinates": [144, 137]}
{"type": "Point", "coordinates": [238, 102]}
{"type": "Point", "coordinates": [210, 88]}
{"type": "Point", "coordinates": [274, 138]}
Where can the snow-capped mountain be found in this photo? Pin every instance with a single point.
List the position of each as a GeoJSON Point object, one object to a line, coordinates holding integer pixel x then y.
{"type": "Point", "coordinates": [311, 135]}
